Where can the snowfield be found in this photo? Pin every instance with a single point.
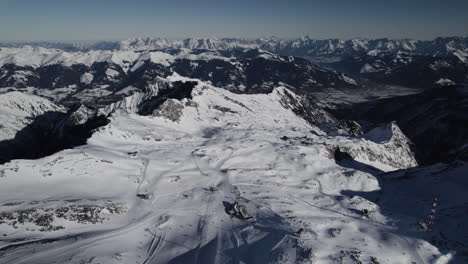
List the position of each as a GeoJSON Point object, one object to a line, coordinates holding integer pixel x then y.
{"type": "Point", "coordinates": [159, 189]}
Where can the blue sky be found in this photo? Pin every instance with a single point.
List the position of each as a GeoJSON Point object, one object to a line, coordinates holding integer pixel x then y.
{"type": "Point", "coordinates": [65, 20]}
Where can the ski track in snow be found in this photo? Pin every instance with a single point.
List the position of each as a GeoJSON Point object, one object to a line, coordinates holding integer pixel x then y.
{"type": "Point", "coordinates": [191, 174]}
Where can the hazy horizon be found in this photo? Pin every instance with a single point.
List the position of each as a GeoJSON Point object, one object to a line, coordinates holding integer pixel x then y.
{"type": "Point", "coordinates": [232, 37]}
{"type": "Point", "coordinates": [64, 21]}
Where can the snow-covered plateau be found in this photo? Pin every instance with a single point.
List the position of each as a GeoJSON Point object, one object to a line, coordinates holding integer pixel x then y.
{"type": "Point", "coordinates": [203, 175]}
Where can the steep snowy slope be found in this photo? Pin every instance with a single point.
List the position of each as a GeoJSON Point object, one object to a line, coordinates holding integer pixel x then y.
{"type": "Point", "coordinates": [33, 127]}
{"type": "Point", "coordinates": [17, 110]}
{"type": "Point", "coordinates": [164, 188]}
{"type": "Point", "coordinates": [434, 120]}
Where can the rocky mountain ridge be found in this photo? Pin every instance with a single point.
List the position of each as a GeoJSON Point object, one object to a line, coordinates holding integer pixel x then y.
{"type": "Point", "coordinates": [303, 46]}
{"type": "Point", "coordinates": [433, 120]}
{"type": "Point", "coordinates": [101, 75]}
{"type": "Point", "coordinates": [33, 127]}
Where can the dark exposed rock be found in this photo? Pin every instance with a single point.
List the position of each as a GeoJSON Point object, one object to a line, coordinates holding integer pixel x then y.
{"type": "Point", "coordinates": [51, 132]}
{"type": "Point", "coordinates": [144, 196]}
{"type": "Point", "coordinates": [310, 109]}
{"type": "Point", "coordinates": [305, 106]}
{"type": "Point", "coordinates": [170, 109]}
{"type": "Point", "coordinates": [224, 109]}
{"type": "Point", "coordinates": [351, 127]}
{"type": "Point", "coordinates": [44, 218]}
{"type": "Point", "coordinates": [167, 102]}
{"type": "Point", "coordinates": [339, 155]}
{"type": "Point", "coordinates": [334, 232]}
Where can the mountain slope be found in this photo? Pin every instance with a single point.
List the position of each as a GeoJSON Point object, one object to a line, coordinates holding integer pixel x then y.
{"type": "Point", "coordinates": [17, 110]}
{"type": "Point", "coordinates": [434, 120]}
{"type": "Point", "coordinates": [158, 186]}
{"type": "Point", "coordinates": [33, 127]}
{"type": "Point", "coordinates": [101, 75]}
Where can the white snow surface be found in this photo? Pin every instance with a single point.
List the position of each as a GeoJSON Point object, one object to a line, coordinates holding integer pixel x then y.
{"type": "Point", "coordinates": [86, 78]}
{"type": "Point", "coordinates": [37, 56]}
{"type": "Point", "coordinates": [17, 110]}
{"type": "Point", "coordinates": [191, 159]}
{"type": "Point", "coordinates": [444, 81]}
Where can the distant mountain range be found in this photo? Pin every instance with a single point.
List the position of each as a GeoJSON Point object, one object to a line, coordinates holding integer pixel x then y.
{"type": "Point", "coordinates": [404, 62]}
{"type": "Point", "coordinates": [405, 69]}
{"type": "Point", "coordinates": [88, 76]}
{"type": "Point", "coordinates": [304, 46]}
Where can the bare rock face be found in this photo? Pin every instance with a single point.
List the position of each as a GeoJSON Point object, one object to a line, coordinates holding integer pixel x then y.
{"type": "Point", "coordinates": [18, 110]}
{"type": "Point", "coordinates": [305, 106]}
{"type": "Point", "coordinates": [434, 120]}
{"type": "Point", "coordinates": [350, 127]}
{"type": "Point", "coordinates": [49, 215]}
{"type": "Point", "coordinates": [310, 109]}
{"type": "Point", "coordinates": [34, 127]}
{"type": "Point", "coordinates": [80, 115]}
{"type": "Point", "coordinates": [78, 125]}
{"type": "Point", "coordinates": [170, 109]}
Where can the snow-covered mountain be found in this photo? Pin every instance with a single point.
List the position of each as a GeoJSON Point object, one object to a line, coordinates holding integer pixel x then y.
{"type": "Point", "coordinates": [89, 76]}
{"type": "Point", "coordinates": [451, 46]}
{"type": "Point", "coordinates": [422, 71]}
{"type": "Point", "coordinates": [195, 173]}
{"type": "Point", "coordinates": [304, 46]}
{"type": "Point", "coordinates": [33, 127]}
{"type": "Point", "coordinates": [216, 151]}
{"type": "Point", "coordinates": [412, 63]}
{"type": "Point", "coordinates": [17, 110]}
{"type": "Point", "coordinates": [434, 120]}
